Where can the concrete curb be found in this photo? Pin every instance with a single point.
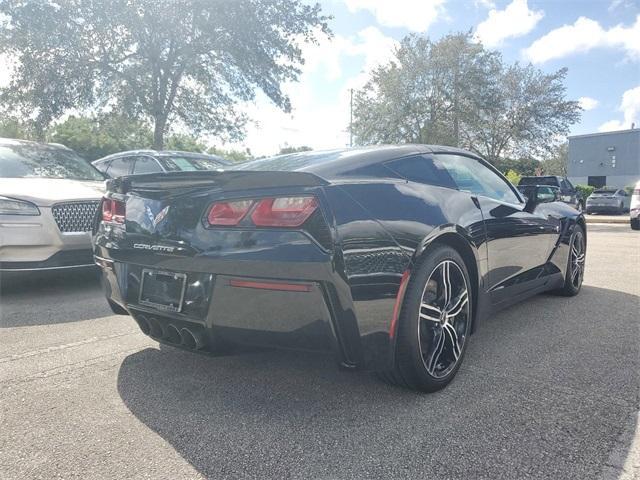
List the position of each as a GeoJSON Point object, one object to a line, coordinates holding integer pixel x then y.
{"type": "Point", "coordinates": [622, 219]}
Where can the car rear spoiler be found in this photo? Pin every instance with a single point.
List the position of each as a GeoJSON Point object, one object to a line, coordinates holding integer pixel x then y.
{"type": "Point", "coordinates": [227, 180]}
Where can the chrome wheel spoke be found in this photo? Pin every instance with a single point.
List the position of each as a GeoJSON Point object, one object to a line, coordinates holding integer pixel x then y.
{"type": "Point", "coordinates": [446, 282]}
{"type": "Point", "coordinates": [459, 304]}
{"type": "Point", "coordinates": [456, 350]}
{"type": "Point", "coordinates": [437, 351]}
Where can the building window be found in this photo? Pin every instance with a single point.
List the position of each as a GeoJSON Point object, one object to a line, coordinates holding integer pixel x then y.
{"type": "Point", "coordinates": [597, 181]}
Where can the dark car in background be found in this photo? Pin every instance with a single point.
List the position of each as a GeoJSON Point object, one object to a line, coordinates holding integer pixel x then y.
{"type": "Point", "coordinates": [608, 200]}
{"type": "Point", "coordinates": [151, 161]}
{"type": "Point", "coordinates": [568, 193]}
{"type": "Point", "coordinates": [386, 257]}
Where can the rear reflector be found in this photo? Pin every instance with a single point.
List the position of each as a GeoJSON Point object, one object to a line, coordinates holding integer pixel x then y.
{"type": "Point", "coordinates": [396, 307]}
{"type": "Point", "coordinates": [228, 213]}
{"type": "Point", "coordinates": [287, 287]}
{"type": "Point", "coordinates": [283, 211]}
{"type": "Point", "coordinates": [113, 211]}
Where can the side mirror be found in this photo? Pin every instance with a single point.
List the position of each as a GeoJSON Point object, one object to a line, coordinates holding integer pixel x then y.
{"type": "Point", "coordinates": [540, 194]}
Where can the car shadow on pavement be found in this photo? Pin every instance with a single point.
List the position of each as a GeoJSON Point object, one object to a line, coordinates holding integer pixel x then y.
{"type": "Point", "coordinates": [53, 297]}
{"type": "Point", "coordinates": [546, 389]}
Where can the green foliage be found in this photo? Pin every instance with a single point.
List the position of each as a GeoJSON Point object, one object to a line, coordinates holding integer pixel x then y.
{"type": "Point", "coordinates": [288, 149]}
{"type": "Point", "coordinates": [184, 143]}
{"type": "Point", "coordinates": [96, 137]}
{"type": "Point", "coordinates": [14, 128]}
{"type": "Point", "coordinates": [454, 92]}
{"type": "Point", "coordinates": [585, 190]}
{"type": "Point", "coordinates": [164, 61]}
{"type": "Point", "coordinates": [522, 166]}
{"type": "Point", "coordinates": [236, 156]}
{"type": "Point", "coordinates": [513, 177]}
{"type": "Point", "coordinates": [556, 163]}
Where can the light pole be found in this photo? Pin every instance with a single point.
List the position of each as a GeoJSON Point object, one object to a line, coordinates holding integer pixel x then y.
{"type": "Point", "coordinates": [351, 117]}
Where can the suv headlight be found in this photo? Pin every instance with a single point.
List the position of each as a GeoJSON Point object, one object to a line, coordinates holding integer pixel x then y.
{"type": "Point", "coordinates": [11, 206]}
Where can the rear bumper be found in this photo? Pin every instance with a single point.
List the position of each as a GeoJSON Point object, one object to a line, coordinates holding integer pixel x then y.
{"type": "Point", "coordinates": [58, 261]}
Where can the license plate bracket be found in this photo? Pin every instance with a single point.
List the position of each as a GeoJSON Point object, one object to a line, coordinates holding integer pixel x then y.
{"type": "Point", "coordinates": [162, 290]}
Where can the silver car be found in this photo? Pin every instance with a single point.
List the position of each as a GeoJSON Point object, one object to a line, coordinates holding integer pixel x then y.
{"type": "Point", "coordinates": [608, 200]}
{"type": "Point", "coordinates": [151, 161]}
{"type": "Point", "coordinates": [48, 201]}
{"type": "Point", "coordinates": [634, 209]}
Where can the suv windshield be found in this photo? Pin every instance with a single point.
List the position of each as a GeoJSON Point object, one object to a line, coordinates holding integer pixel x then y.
{"type": "Point", "coordinates": [176, 163]}
{"type": "Point", "coordinates": [26, 160]}
{"type": "Point", "coordinates": [552, 181]}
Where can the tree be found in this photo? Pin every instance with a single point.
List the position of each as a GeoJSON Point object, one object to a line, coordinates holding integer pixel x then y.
{"type": "Point", "coordinates": [289, 149]}
{"type": "Point", "coordinates": [14, 128]}
{"type": "Point", "coordinates": [454, 92]}
{"type": "Point", "coordinates": [166, 61]}
{"type": "Point", "coordinates": [235, 156]}
{"type": "Point", "coordinates": [513, 177]}
{"type": "Point", "coordinates": [98, 136]}
{"type": "Point", "coordinates": [557, 162]}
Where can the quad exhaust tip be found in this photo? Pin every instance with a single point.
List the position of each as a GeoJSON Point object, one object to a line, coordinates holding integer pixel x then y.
{"type": "Point", "coordinates": [143, 324]}
{"type": "Point", "coordinates": [172, 334]}
{"type": "Point", "coordinates": [191, 340]}
{"type": "Point", "coordinates": [156, 329]}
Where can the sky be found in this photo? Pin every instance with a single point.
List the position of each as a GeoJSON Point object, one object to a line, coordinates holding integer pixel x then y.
{"type": "Point", "coordinates": [597, 40]}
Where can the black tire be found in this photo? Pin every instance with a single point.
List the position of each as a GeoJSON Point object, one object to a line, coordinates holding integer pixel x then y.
{"type": "Point", "coordinates": [573, 278]}
{"type": "Point", "coordinates": [427, 358]}
{"type": "Point", "coordinates": [635, 224]}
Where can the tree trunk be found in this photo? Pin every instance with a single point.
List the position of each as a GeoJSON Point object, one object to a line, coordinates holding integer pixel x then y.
{"type": "Point", "coordinates": [158, 132]}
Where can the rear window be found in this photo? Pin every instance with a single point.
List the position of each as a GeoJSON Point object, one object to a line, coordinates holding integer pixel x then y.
{"type": "Point", "coordinates": [605, 191]}
{"type": "Point", "coordinates": [176, 163]}
{"type": "Point", "coordinates": [292, 161]}
{"type": "Point", "coordinates": [552, 181]}
{"type": "Point", "coordinates": [26, 160]}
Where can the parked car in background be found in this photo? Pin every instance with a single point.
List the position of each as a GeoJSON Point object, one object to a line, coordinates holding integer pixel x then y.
{"type": "Point", "coordinates": [386, 257]}
{"type": "Point", "coordinates": [546, 192]}
{"type": "Point", "coordinates": [634, 208]}
{"type": "Point", "coordinates": [608, 200]}
{"type": "Point", "coordinates": [150, 161]}
{"type": "Point", "coordinates": [568, 193]}
{"type": "Point", "coordinates": [49, 197]}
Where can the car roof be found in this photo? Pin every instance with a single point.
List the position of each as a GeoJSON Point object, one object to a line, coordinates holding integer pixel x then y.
{"type": "Point", "coordinates": [15, 141]}
{"type": "Point", "coordinates": [329, 163]}
{"type": "Point", "coordinates": [163, 153]}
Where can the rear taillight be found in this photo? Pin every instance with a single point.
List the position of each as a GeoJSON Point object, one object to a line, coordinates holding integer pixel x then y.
{"type": "Point", "coordinates": [283, 211]}
{"type": "Point", "coordinates": [265, 212]}
{"type": "Point", "coordinates": [113, 211]}
{"type": "Point", "coordinates": [228, 213]}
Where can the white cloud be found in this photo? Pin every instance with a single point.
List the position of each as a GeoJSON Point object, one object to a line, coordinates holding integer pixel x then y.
{"type": "Point", "coordinates": [318, 123]}
{"type": "Point", "coordinates": [514, 21]}
{"type": "Point", "coordinates": [630, 108]}
{"type": "Point", "coordinates": [414, 15]}
{"type": "Point", "coordinates": [588, 103]}
{"type": "Point", "coordinates": [484, 3]}
{"type": "Point", "coordinates": [584, 35]}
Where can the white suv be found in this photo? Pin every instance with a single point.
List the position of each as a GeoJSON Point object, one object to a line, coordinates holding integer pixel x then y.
{"type": "Point", "coordinates": [634, 208]}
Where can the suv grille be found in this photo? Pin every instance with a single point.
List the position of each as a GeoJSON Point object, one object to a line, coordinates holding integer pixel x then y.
{"type": "Point", "coordinates": [75, 216]}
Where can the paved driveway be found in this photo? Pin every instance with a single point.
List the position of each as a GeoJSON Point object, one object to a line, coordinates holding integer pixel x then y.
{"type": "Point", "coordinates": [549, 389]}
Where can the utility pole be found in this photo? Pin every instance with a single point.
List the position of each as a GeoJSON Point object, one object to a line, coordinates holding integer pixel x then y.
{"type": "Point", "coordinates": [351, 117]}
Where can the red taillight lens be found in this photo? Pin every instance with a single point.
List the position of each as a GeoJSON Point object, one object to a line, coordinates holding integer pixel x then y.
{"type": "Point", "coordinates": [228, 213]}
{"type": "Point", "coordinates": [283, 211]}
{"type": "Point", "coordinates": [113, 210]}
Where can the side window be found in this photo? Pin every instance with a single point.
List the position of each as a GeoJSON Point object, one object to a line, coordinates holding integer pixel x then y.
{"type": "Point", "coordinates": [119, 167]}
{"type": "Point", "coordinates": [146, 165]}
{"type": "Point", "coordinates": [564, 186]}
{"type": "Point", "coordinates": [472, 176]}
{"type": "Point", "coordinates": [421, 170]}
{"type": "Point", "coordinates": [102, 166]}
{"type": "Point", "coordinates": [570, 185]}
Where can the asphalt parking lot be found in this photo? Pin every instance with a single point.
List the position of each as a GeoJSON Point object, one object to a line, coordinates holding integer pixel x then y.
{"type": "Point", "coordinates": [549, 389]}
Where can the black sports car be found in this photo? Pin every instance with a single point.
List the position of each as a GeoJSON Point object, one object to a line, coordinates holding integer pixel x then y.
{"type": "Point", "coordinates": [387, 257]}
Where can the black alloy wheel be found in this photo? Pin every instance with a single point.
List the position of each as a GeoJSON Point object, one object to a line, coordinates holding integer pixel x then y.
{"type": "Point", "coordinates": [576, 263]}
{"type": "Point", "coordinates": [434, 323]}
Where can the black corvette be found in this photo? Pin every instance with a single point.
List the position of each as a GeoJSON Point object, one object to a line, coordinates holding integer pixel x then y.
{"type": "Point", "coordinates": [387, 257]}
